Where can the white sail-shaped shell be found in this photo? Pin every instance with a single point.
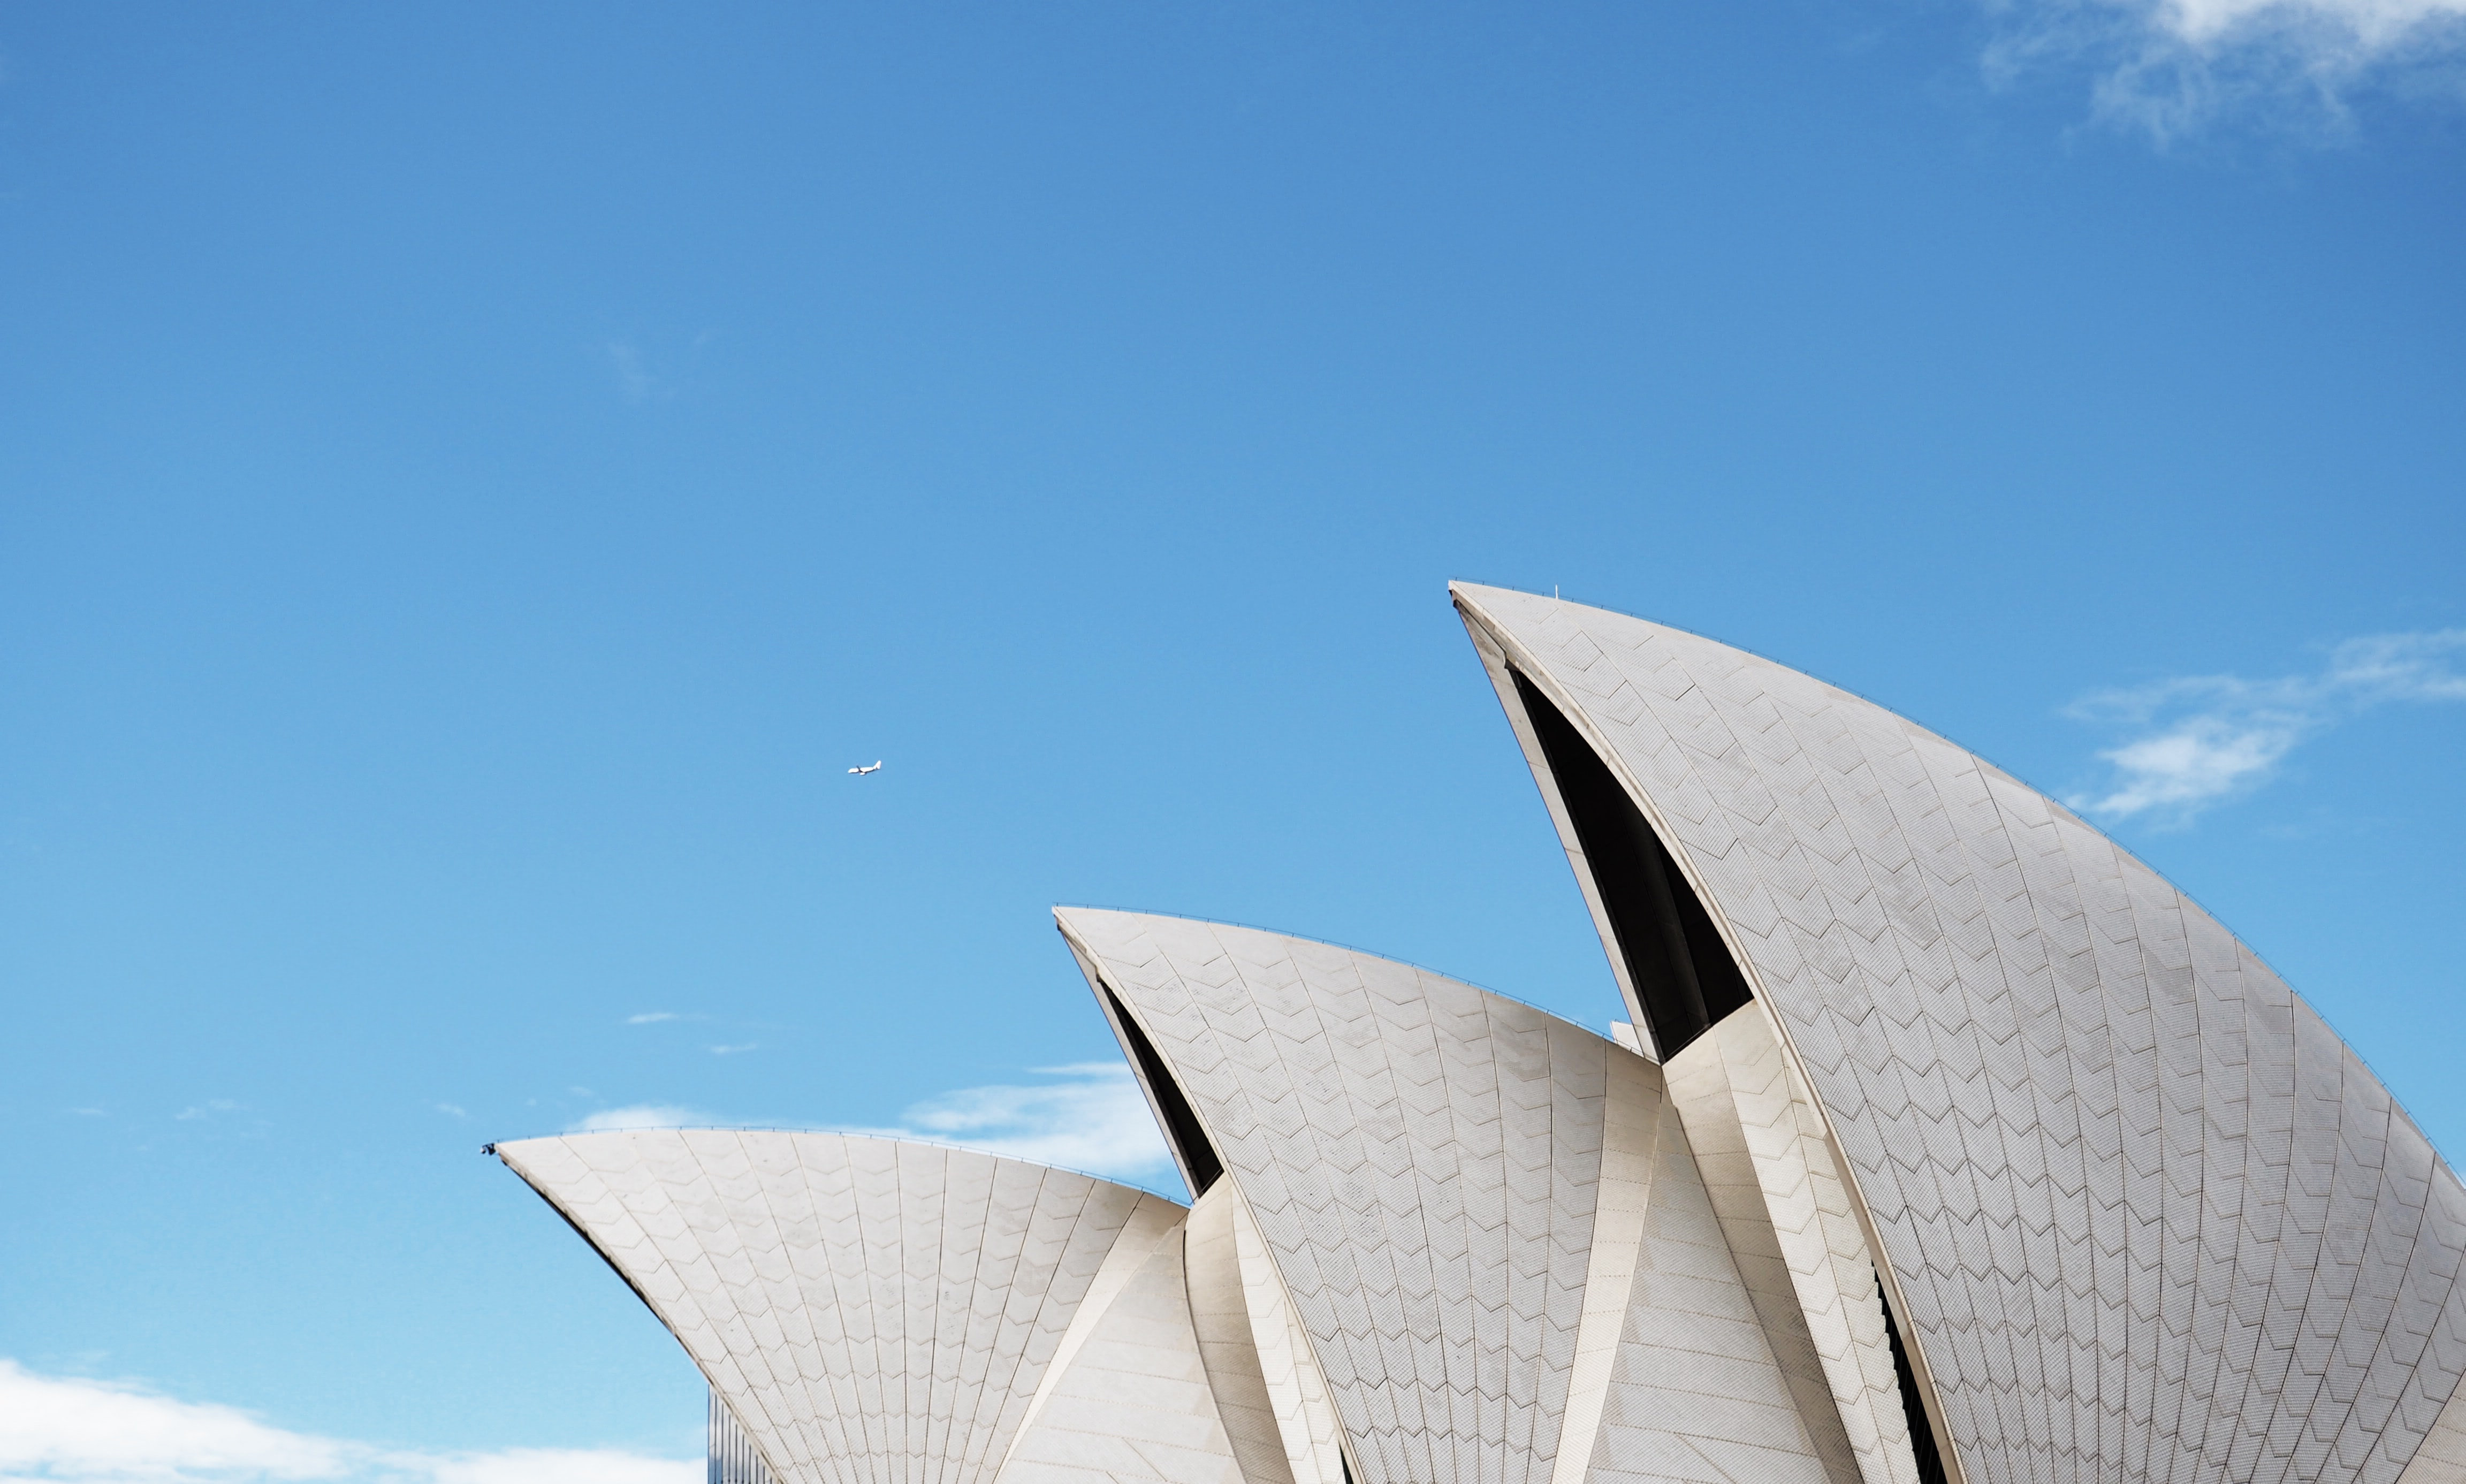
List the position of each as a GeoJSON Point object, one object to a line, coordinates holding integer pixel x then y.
{"type": "Point", "coordinates": [877, 1311]}
{"type": "Point", "coordinates": [1488, 1220]}
{"type": "Point", "coordinates": [2148, 1216]}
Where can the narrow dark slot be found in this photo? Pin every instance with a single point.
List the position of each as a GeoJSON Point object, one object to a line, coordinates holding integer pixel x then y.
{"type": "Point", "coordinates": [1681, 969]}
{"type": "Point", "coordinates": [1181, 1121]}
{"type": "Point", "coordinates": [1922, 1446]}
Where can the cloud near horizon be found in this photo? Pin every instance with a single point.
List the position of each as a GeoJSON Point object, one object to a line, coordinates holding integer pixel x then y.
{"type": "Point", "coordinates": [2202, 739]}
{"type": "Point", "coordinates": [70, 1430]}
{"type": "Point", "coordinates": [637, 1115]}
{"type": "Point", "coordinates": [2171, 68]}
{"type": "Point", "coordinates": [1093, 1119]}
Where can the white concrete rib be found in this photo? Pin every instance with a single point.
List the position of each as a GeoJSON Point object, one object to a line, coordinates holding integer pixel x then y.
{"type": "Point", "coordinates": [1789, 1220]}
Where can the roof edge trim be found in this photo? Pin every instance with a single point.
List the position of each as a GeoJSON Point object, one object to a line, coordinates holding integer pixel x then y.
{"type": "Point", "coordinates": [1515, 660]}
{"type": "Point", "coordinates": [1185, 1132]}
{"type": "Point", "coordinates": [915, 1140]}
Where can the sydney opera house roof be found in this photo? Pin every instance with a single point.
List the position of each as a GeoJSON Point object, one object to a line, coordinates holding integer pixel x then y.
{"type": "Point", "coordinates": [1941, 1143]}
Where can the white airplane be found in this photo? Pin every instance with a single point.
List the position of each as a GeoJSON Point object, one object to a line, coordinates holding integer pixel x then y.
{"type": "Point", "coordinates": [876, 768]}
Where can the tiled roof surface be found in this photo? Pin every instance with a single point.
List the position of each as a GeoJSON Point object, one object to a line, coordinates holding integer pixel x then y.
{"type": "Point", "coordinates": [876, 1312]}
{"type": "Point", "coordinates": [1426, 1161]}
{"type": "Point", "coordinates": [2151, 1218]}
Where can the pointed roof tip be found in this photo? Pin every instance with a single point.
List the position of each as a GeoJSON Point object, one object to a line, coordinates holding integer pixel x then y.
{"type": "Point", "coordinates": [1491, 591]}
{"type": "Point", "coordinates": [1068, 915]}
{"type": "Point", "coordinates": [1498, 606]}
{"type": "Point", "coordinates": [1141, 921]}
{"type": "Point", "coordinates": [1480, 602]}
{"type": "Point", "coordinates": [1486, 596]}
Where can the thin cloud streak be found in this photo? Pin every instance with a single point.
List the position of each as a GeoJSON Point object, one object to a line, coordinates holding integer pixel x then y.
{"type": "Point", "coordinates": [1091, 1116]}
{"type": "Point", "coordinates": [633, 377]}
{"type": "Point", "coordinates": [565, 1466]}
{"type": "Point", "coordinates": [2174, 68]}
{"type": "Point", "coordinates": [2203, 740]}
{"type": "Point", "coordinates": [1095, 1118]}
{"type": "Point", "coordinates": [73, 1429]}
{"type": "Point", "coordinates": [638, 1115]}
{"type": "Point", "coordinates": [66, 1429]}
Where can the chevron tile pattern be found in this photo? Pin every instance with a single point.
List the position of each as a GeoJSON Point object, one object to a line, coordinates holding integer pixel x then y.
{"type": "Point", "coordinates": [2442, 1457]}
{"type": "Point", "coordinates": [873, 1312]}
{"type": "Point", "coordinates": [1756, 1166]}
{"type": "Point", "coordinates": [1696, 1391]}
{"type": "Point", "coordinates": [1794, 1185]}
{"type": "Point", "coordinates": [2014, 1168]}
{"type": "Point", "coordinates": [2150, 1218]}
{"type": "Point", "coordinates": [1425, 1162]}
{"type": "Point", "coordinates": [1221, 1313]}
{"type": "Point", "coordinates": [1132, 1400]}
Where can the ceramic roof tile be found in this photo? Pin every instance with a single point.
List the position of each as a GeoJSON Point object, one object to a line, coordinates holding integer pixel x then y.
{"type": "Point", "coordinates": [1498, 1161]}
{"type": "Point", "coordinates": [2219, 1075]}
{"type": "Point", "coordinates": [895, 1336]}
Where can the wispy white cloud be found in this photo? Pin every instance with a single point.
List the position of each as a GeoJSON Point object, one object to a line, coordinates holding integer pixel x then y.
{"type": "Point", "coordinates": [633, 377]}
{"type": "Point", "coordinates": [640, 1116]}
{"type": "Point", "coordinates": [54, 1428]}
{"type": "Point", "coordinates": [564, 1465]}
{"type": "Point", "coordinates": [453, 1109]}
{"type": "Point", "coordinates": [65, 1429]}
{"type": "Point", "coordinates": [2174, 67]}
{"type": "Point", "coordinates": [741, 1046]}
{"type": "Point", "coordinates": [1088, 1116]}
{"type": "Point", "coordinates": [651, 1017]}
{"type": "Point", "coordinates": [1092, 1117]}
{"type": "Point", "coordinates": [206, 1110]}
{"type": "Point", "coordinates": [2196, 740]}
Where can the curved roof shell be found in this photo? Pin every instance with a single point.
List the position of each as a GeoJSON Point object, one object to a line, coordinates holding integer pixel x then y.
{"type": "Point", "coordinates": [2147, 1215]}
{"type": "Point", "coordinates": [1487, 1221]}
{"type": "Point", "coordinates": [879, 1312]}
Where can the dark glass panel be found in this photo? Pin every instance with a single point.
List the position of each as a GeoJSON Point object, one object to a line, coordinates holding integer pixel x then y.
{"type": "Point", "coordinates": [1180, 1120]}
{"type": "Point", "coordinates": [1922, 1445]}
{"type": "Point", "coordinates": [1674, 956]}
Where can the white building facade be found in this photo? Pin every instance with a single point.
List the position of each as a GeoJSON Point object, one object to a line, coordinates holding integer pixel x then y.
{"type": "Point", "coordinates": [1943, 1141]}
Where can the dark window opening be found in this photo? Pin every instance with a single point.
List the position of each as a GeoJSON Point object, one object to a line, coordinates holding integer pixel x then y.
{"type": "Point", "coordinates": [1922, 1446]}
{"type": "Point", "coordinates": [1181, 1121]}
{"type": "Point", "coordinates": [1675, 959]}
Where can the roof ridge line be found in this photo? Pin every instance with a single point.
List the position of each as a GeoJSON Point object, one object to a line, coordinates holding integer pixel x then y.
{"type": "Point", "coordinates": [490, 1147]}
{"type": "Point", "coordinates": [1350, 948]}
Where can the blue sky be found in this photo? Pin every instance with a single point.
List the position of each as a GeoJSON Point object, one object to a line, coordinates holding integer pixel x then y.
{"type": "Point", "coordinates": [475, 479]}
